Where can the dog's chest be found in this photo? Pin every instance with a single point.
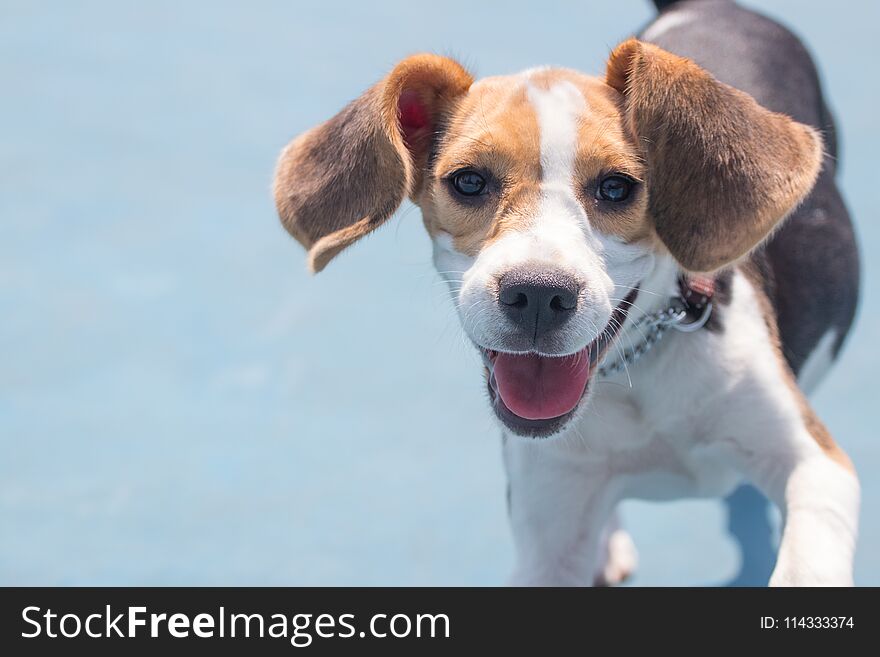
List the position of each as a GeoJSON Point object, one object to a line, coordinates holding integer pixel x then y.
{"type": "Point", "coordinates": [657, 456]}
{"type": "Point", "coordinates": [662, 430]}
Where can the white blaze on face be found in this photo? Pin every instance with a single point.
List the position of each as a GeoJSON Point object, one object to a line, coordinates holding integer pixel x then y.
{"type": "Point", "coordinates": [607, 266]}
{"type": "Point", "coordinates": [558, 109]}
{"type": "Point", "coordinates": [561, 230]}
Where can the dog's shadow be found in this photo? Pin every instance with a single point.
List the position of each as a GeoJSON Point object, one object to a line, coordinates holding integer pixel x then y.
{"type": "Point", "coordinates": [750, 526]}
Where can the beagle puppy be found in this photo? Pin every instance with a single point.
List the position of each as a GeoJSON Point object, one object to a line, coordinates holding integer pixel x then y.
{"type": "Point", "coordinates": [653, 264]}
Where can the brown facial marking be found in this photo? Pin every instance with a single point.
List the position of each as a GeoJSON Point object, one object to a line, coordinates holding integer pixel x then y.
{"type": "Point", "coordinates": [494, 132]}
{"type": "Point", "coordinates": [605, 148]}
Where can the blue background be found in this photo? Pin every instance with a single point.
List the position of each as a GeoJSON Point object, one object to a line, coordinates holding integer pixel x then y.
{"type": "Point", "coordinates": [180, 403]}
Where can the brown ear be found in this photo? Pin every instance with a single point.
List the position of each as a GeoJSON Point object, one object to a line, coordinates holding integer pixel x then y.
{"type": "Point", "coordinates": [722, 170]}
{"type": "Point", "coordinates": [345, 177]}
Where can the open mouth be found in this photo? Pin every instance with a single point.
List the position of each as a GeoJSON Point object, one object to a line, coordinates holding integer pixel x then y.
{"type": "Point", "coordinates": [536, 395]}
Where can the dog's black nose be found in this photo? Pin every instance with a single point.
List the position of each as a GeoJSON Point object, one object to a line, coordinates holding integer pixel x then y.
{"type": "Point", "coordinates": [537, 300]}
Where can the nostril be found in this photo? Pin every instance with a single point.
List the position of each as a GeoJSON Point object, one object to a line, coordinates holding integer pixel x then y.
{"type": "Point", "coordinates": [562, 303]}
{"type": "Point", "coordinates": [513, 296]}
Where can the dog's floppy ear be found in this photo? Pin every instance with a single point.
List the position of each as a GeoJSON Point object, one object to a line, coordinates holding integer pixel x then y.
{"type": "Point", "coordinates": [345, 177]}
{"type": "Point", "coordinates": [722, 170]}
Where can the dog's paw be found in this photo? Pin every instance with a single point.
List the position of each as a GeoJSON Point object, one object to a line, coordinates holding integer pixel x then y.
{"type": "Point", "coordinates": [809, 575]}
{"type": "Point", "coordinates": [621, 559]}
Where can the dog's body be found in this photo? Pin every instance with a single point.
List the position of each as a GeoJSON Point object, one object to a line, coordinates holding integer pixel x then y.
{"type": "Point", "coordinates": [564, 211]}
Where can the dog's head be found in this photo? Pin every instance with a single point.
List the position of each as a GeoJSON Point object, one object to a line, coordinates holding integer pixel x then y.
{"type": "Point", "coordinates": [548, 196]}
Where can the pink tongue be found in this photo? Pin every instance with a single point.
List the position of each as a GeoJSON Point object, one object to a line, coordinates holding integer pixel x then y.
{"type": "Point", "coordinates": [539, 388]}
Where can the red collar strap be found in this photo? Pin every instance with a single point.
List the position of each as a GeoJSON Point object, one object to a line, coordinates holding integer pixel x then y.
{"type": "Point", "coordinates": [696, 293]}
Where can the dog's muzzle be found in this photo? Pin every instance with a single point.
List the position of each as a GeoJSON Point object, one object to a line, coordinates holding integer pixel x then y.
{"type": "Point", "coordinates": [536, 395]}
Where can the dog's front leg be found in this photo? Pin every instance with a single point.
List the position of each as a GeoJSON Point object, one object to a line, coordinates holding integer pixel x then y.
{"type": "Point", "coordinates": [817, 491]}
{"type": "Point", "coordinates": [819, 499]}
{"type": "Point", "coordinates": [558, 507]}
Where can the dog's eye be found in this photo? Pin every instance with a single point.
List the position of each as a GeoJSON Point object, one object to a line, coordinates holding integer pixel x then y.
{"type": "Point", "coordinates": [615, 188]}
{"type": "Point", "coordinates": [468, 183]}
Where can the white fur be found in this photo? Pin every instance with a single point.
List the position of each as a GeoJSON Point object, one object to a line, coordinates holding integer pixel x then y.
{"type": "Point", "coordinates": [558, 110]}
{"type": "Point", "coordinates": [818, 362]}
{"type": "Point", "coordinates": [667, 22]}
{"type": "Point", "coordinates": [450, 264]}
{"type": "Point", "coordinates": [620, 559]}
{"type": "Point", "coordinates": [821, 526]}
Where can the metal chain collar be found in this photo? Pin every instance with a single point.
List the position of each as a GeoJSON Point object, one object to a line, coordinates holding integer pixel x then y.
{"type": "Point", "coordinates": [653, 327]}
